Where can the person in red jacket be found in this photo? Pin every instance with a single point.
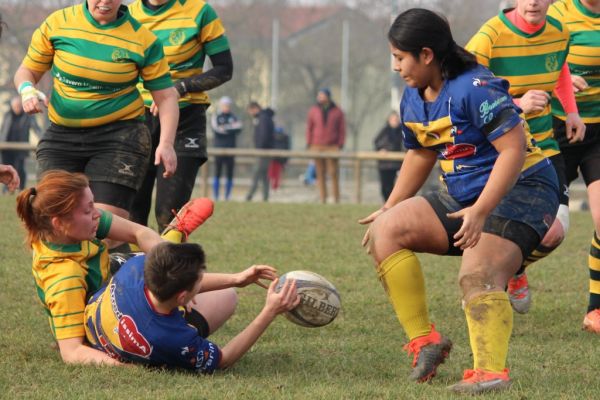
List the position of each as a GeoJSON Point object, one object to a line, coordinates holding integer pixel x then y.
{"type": "Point", "coordinates": [326, 132]}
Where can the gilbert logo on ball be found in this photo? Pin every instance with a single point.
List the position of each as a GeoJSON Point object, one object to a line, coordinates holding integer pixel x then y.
{"type": "Point", "coordinates": [320, 301]}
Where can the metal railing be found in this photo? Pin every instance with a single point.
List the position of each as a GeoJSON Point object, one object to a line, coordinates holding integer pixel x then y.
{"type": "Point", "coordinates": [356, 160]}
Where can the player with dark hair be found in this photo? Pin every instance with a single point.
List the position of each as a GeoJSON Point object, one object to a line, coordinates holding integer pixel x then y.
{"type": "Point", "coordinates": [70, 257]}
{"type": "Point", "coordinates": [499, 197]}
{"type": "Point", "coordinates": [140, 317]}
{"type": "Point", "coordinates": [197, 33]}
{"type": "Point", "coordinates": [583, 17]}
{"type": "Point", "coordinates": [528, 48]}
{"type": "Point", "coordinates": [96, 53]}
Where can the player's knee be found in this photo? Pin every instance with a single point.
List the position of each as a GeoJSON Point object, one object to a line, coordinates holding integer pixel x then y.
{"type": "Point", "coordinates": [474, 283]}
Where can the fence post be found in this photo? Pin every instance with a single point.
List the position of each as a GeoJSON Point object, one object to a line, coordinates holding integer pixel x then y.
{"type": "Point", "coordinates": [358, 180]}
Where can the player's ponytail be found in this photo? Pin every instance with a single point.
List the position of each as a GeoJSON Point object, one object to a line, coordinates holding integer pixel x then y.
{"type": "Point", "coordinates": [56, 195]}
{"type": "Point", "coordinates": [418, 28]}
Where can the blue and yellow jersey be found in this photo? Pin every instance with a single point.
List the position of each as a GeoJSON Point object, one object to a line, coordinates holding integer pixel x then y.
{"type": "Point", "coordinates": [470, 112]}
{"type": "Point", "coordinates": [528, 62]}
{"type": "Point", "coordinates": [189, 30]}
{"type": "Point", "coordinates": [121, 321]}
{"type": "Point", "coordinates": [66, 275]}
{"type": "Point", "coordinates": [583, 58]}
{"type": "Point", "coordinates": [96, 68]}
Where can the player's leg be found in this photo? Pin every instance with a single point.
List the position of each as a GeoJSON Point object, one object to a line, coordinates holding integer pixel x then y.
{"type": "Point", "coordinates": [320, 175]}
{"type": "Point", "coordinates": [590, 170]}
{"type": "Point", "coordinates": [510, 234]}
{"type": "Point", "coordinates": [518, 285]}
{"type": "Point", "coordinates": [142, 203]}
{"type": "Point", "coordinates": [216, 307]}
{"type": "Point", "coordinates": [264, 176]}
{"type": "Point", "coordinates": [411, 226]}
{"type": "Point", "coordinates": [117, 166]}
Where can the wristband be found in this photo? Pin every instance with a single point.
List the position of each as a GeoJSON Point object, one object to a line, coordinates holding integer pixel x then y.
{"type": "Point", "coordinates": [24, 85]}
{"type": "Point", "coordinates": [30, 92]}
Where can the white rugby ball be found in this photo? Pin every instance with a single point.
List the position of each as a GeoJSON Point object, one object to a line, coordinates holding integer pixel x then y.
{"type": "Point", "coordinates": [319, 299]}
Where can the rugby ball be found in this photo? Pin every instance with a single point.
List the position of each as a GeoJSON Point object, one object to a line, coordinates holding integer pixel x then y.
{"type": "Point", "coordinates": [319, 299]}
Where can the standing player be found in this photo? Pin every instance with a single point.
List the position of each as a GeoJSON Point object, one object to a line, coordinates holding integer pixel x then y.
{"type": "Point", "coordinates": [189, 30]}
{"type": "Point", "coordinates": [529, 49]}
{"type": "Point", "coordinates": [499, 198]}
{"type": "Point", "coordinates": [147, 296]}
{"type": "Point", "coordinates": [582, 17]}
{"type": "Point", "coordinates": [96, 53]}
{"type": "Point", "coordinates": [226, 127]}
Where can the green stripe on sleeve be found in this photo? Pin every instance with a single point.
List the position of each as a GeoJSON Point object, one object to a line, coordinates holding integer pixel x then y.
{"type": "Point", "coordinates": [218, 45]}
{"type": "Point", "coordinates": [104, 224]}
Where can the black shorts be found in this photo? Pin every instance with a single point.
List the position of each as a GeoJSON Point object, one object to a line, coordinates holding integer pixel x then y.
{"type": "Point", "coordinates": [558, 162]}
{"type": "Point", "coordinates": [116, 153]}
{"type": "Point", "coordinates": [583, 156]}
{"type": "Point", "coordinates": [198, 321]}
{"type": "Point", "coordinates": [190, 140]}
{"type": "Point", "coordinates": [523, 216]}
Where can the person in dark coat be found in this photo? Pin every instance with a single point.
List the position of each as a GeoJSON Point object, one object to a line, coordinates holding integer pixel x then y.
{"type": "Point", "coordinates": [389, 139]}
{"type": "Point", "coordinates": [264, 137]}
{"type": "Point", "coordinates": [15, 128]}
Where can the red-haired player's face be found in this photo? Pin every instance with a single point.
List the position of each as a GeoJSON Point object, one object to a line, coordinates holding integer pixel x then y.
{"type": "Point", "coordinates": [82, 223]}
{"type": "Point", "coordinates": [104, 11]}
{"type": "Point", "coordinates": [411, 69]}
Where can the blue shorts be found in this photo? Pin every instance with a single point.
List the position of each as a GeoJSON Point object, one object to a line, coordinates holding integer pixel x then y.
{"type": "Point", "coordinates": [523, 216]}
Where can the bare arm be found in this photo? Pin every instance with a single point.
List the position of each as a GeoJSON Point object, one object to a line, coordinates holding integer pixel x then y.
{"type": "Point", "coordinates": [123, 230]}
{"type": "Point", "coordinates": [166, 102]}
{"type": "Point", "coordinates": [277, 303]}
{"type": "Point", "coordinates": [511, 148]}
{"type": "Point", "coordinates": [74, 351]}
{"type": "Point", "coordinates": [218, 281]}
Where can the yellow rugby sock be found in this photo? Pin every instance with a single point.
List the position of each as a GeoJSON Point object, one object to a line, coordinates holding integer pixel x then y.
{"type": "Point", "coordinates": [490, 322]}
{"type": "Point", "coordinates": [402, 278]}
{"type": "Point", "coordinates": [173, 236]}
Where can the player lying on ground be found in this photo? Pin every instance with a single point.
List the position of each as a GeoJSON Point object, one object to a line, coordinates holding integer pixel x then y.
{"type": "Point", "coordinates": [140, 316]}
{"type": "Point", "coordinates": [70, 258]}
{"type": "Point", "coordinates": [500, 197]}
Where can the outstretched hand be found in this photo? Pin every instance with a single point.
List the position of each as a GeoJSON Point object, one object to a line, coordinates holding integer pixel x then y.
{"type": "Point", "coordinates": [285, 300]}
{"type": "Point", "coordinates": [254, 274]}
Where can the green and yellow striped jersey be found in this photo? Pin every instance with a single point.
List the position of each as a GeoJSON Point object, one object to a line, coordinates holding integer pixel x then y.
{"type": "Point", "coordinates": [583, 58]}
{"type": "Point", "coordinates": [96, 68]}
{"type": "Point", "coordinates": [67, 275]}
{"type": "Point", "coordinates": [528, 62]}
{"type": "Point", "coordinates": [189, 30]}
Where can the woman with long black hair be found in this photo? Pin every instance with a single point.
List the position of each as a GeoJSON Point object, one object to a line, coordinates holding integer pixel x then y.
{"type": "Point", "coordinates": [499, 198]}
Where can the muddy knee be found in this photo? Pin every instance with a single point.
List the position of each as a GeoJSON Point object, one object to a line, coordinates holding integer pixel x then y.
{"type": "Point", "coordinates": [474, 283]}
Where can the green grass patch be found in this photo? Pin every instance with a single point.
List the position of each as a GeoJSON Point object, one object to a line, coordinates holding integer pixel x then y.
{"type": "Point", "coordinates": [359, 356]}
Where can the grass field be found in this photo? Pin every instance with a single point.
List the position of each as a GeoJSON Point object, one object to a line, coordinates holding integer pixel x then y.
{"type": "Point", "coordinates": [359, 356]}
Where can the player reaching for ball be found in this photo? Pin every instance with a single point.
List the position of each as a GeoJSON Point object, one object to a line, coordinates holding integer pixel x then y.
{"type": "Point", "coordinates": [500, 197]}
{"type": "Point", "coordinates": [70, 258]}
{"type": "Point", "coordinates": [140, 316]}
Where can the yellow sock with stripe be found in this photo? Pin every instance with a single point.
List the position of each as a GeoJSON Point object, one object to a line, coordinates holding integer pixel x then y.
{"type": "Point", "coordinates": [594, 266]}
{"type": "Point", "coordinates": [490, 322]}
{"type": "Point", "coordinates": [402, 278]}
{"type": "Point", "coordinates": [173, 236]}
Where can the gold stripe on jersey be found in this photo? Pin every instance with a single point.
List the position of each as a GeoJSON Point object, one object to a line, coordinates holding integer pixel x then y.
{"type": "Point", "coordinates": [189, 30]}
{"type": "Point", "coordinates": [92, 64]}
{"type": "Point", "coordinates": [528, 62]}
{"type": "Point", "coordinates": [583, 58]}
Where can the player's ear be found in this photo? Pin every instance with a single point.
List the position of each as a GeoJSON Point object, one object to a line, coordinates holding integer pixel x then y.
{"type": "Point", "coordinates": [58, 225]}
{"type": "Point", "coordinates": [181, 298]}
{"type": "Point", "coordinates": [427, 55]}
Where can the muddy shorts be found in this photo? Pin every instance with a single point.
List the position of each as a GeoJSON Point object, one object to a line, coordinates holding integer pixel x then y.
{"type": "Point", "coordinates": [523, 216]}
{"type": "Point", "coordinates": [117, 153]}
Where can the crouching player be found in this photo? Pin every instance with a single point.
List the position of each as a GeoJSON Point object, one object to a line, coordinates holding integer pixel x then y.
{"type": "Point", "coordinates": [140, 316]}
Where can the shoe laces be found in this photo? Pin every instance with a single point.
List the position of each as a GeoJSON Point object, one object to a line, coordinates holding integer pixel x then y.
{"type": "Point", "coordinates": [415, 345]}
{"type": "Point", "coordinates": [518, 282]}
